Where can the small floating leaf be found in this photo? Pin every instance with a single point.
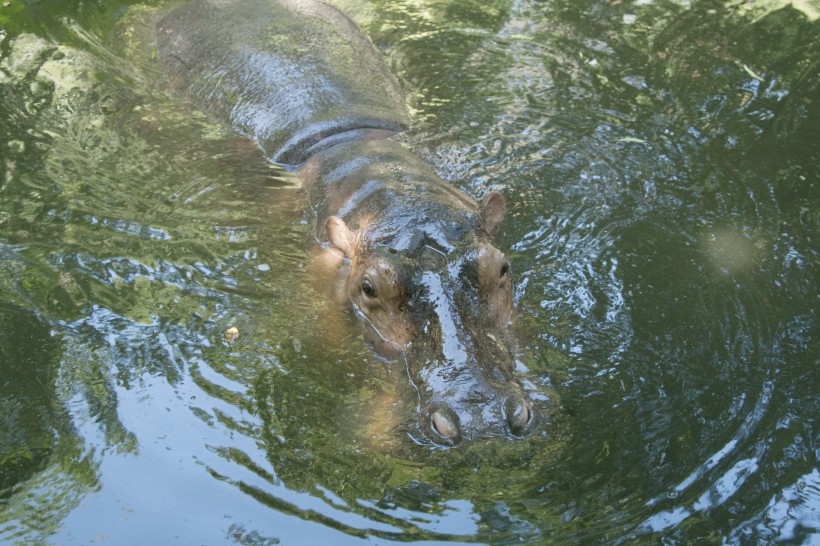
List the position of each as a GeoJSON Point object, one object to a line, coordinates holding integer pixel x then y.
{"type": "Point", "coordinates": [752, 73]}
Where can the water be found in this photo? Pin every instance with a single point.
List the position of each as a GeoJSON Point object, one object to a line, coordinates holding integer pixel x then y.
{"type": "Point", "coordinates": [660, 162]}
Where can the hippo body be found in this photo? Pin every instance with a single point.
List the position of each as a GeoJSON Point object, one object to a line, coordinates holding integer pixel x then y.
{"type": "Point", "coordinates": [420, 268]}
{"type": "Point", "coordinates": [294, 75]}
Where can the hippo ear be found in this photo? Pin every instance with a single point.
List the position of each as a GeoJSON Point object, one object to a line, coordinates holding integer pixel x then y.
{"type": "Point", "coordinates": [341, 236]}
{"type": "Point", "coordinates": [491, 211]}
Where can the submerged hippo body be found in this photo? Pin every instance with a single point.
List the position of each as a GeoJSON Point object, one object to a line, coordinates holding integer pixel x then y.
{"type": "Point", "coordinates": [420, 268]}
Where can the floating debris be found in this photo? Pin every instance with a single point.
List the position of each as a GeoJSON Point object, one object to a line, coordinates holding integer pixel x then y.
{"type": "Point", "coordinates": [752, 73]}
{"type": "Point", "coordinates": [231, 334]}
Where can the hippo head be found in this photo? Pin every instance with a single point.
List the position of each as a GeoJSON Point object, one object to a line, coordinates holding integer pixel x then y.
{"type": "Point", "coordinates": [446, 308]}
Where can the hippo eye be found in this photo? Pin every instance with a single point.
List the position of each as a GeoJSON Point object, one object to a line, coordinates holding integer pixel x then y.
{"type": "Point", "coordinates": [505, 268]}
{"type": "Point", "coordinates": [368, 288]}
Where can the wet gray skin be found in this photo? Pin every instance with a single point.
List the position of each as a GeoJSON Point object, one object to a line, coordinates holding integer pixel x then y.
{"type": "Point", "coordinates": [420, 268]}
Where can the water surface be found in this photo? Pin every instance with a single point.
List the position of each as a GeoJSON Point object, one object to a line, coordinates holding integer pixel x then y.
{"type": "Point", "coordinates": [660, 162]}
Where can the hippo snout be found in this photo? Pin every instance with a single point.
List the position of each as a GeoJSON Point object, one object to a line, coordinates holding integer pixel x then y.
{"type": "Point", "coordinates": [450, 423]}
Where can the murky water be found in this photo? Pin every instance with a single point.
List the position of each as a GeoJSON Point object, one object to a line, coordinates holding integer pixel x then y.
{"type": "Point", "coordinates": [660, 161]}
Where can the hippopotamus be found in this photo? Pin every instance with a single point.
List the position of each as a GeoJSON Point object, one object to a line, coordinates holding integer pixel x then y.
{"type": "Point", "coordinates": [417, 259]}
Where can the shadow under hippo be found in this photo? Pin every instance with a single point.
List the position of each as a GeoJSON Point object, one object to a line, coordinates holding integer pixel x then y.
{"type": "Point", "coordinates": [415, 253]}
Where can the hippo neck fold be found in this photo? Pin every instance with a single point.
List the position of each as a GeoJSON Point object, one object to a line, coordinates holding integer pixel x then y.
{"type": "Point", "coordinates": [382, 189]}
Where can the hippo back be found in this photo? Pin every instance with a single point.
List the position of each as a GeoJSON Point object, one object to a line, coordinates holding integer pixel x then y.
{"type": "Point", "coordinates": [295, 75]}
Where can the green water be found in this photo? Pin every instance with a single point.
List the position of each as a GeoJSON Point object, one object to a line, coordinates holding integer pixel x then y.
{"type": "Point", "coordinates": [660, 162]}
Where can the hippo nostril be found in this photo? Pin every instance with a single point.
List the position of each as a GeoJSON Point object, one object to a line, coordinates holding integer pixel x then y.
{"type": "Point", "coordinates": [519, 415]}
{"type": "Point", "coordinates": [442, 425]}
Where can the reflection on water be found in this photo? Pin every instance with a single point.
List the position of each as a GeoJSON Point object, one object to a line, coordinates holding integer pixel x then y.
{"type": "Point", "coordinates": [659, 160]}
